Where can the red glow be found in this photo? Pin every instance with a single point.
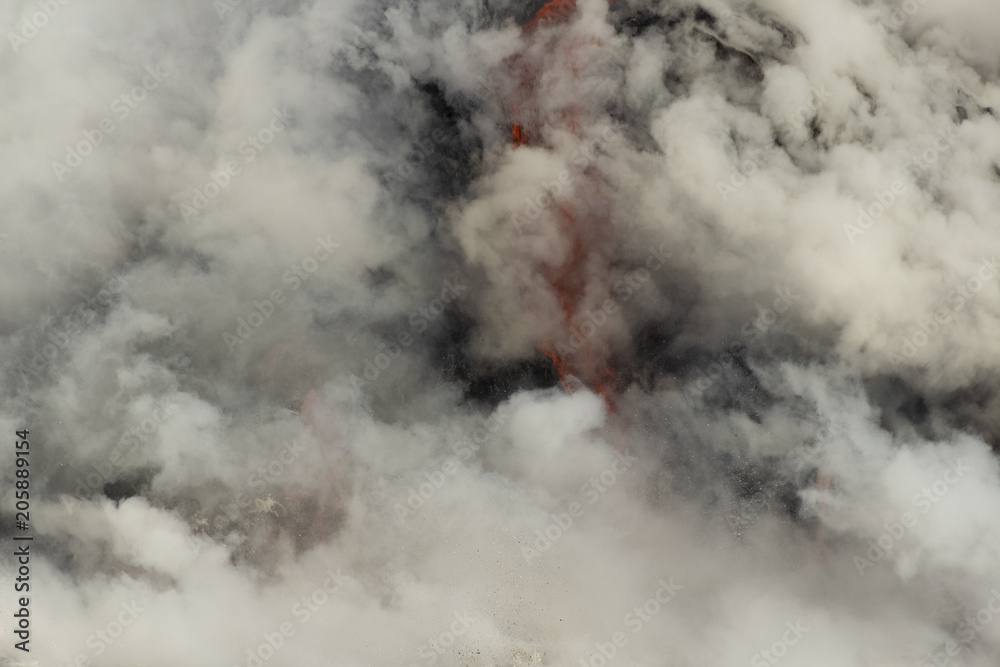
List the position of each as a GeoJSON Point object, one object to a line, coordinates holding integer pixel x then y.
{"type": "Point", "coordinates": [517, 135]}
{"type": "Point", "coordinates": [569, 279]}
{"type": "Point", "coordinates": [554, 10]}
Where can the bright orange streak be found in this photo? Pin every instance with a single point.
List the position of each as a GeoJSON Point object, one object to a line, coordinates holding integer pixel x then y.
{"type": "Point", "coordinates": [554, 10]}
{"type": "Point", "coordinates": [518, 135]}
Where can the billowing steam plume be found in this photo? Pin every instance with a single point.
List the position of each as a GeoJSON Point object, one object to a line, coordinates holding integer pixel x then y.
{"type": "Point", "coordinates": [500, 333]}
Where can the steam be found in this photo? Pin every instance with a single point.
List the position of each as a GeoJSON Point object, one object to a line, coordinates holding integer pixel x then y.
{"type": "Point", "coordinates": [285, 313]}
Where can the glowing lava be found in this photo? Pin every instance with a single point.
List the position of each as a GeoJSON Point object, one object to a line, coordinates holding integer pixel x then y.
{"type": "Point", "coordinates": [585, 230]}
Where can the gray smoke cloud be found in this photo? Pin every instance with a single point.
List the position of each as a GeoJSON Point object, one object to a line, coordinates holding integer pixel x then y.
{"type": "Point", "coordinates": [284, 314]}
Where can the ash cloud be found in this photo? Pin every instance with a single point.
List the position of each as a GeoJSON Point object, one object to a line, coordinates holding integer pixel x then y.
{"type": "Point", "coordinates": [281, 300]}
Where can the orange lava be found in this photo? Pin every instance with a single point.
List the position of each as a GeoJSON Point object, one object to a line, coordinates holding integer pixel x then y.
{"type": "Point", "coordinates": [554, 10]}
{"type": "Point", "coordinates": [569, 279]}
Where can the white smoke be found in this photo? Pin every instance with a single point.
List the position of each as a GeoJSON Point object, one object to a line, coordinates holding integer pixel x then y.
{"type": "Point", "coordinates": [278, 293]}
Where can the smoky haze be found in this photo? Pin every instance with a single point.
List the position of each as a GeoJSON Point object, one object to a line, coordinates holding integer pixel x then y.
{"type": "Point", "coordinates": [285, 314]}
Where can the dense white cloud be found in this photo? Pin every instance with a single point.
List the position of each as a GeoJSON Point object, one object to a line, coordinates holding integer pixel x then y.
{"type": "Point", "coordinates": [276, 287]}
